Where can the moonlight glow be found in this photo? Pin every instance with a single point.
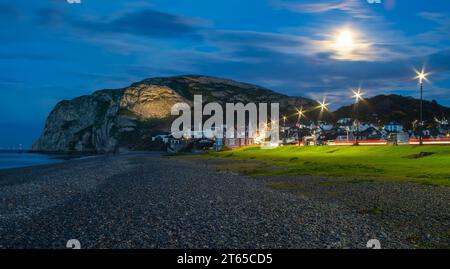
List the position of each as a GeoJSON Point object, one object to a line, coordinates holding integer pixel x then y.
{"type": "Point", "coordinates": [348, 43]}
{"type": "Point", "coordinates": [345, 40]}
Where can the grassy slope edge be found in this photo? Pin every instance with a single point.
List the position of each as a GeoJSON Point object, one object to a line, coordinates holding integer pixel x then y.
{"type": "Point", "coordinates": [422, 164]}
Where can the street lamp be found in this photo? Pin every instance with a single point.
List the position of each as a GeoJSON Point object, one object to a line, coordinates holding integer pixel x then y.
{"type": "Point", "coordinates": [421, 76]}
{"type": "Point", "coordinates": [323, 105]}
{"type": "Point", "coordinates": [300, 113]}
{"type": "Point", "coordinates": [358, 95]}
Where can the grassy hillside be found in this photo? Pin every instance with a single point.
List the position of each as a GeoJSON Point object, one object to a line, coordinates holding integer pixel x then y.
{"type": "Point", "coordinates": [425, 164]}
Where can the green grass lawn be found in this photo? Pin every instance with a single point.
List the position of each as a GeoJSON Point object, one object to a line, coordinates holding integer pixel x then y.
{"type": "Point", "coordinates": [423, 164]}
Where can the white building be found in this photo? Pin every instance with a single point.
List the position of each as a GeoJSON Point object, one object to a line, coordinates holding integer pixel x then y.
{"type": "Point", "coordinates": [393, 127]}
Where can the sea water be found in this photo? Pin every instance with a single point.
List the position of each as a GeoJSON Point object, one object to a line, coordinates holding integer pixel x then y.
{"type": "Point", "coordinates": [14, 159]}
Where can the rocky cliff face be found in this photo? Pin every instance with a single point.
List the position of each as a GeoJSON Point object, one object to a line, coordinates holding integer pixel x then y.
{"type": "Point", "coordinates": [125, 119]}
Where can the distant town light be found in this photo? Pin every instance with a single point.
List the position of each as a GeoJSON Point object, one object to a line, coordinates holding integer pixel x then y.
{"type": "Point", "coordinates": [300, 112]}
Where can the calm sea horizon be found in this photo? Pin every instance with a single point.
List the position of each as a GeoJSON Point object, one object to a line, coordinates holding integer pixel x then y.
{"type": "Point", "coordinates": [10, 159]}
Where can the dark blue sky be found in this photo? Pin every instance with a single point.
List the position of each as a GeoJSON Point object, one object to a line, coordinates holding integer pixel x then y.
{"type": "Point", "coordinates": [52, 50]}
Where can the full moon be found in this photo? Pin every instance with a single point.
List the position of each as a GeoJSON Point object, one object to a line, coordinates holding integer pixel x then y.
{"type": "Point", "coordinates": [345, 40]}
{"type": "Point", "coordinates": [348, 43]}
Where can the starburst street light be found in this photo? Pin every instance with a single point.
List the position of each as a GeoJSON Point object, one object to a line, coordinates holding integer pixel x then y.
{"type": "Point", "coordinates": [300, 112]}
{"type": "Point", "coordinates": [358, 95]}
{"type": "Point", "coordinates": [421, 76]}
{"type": "Point", "coordinates": [323, 105]}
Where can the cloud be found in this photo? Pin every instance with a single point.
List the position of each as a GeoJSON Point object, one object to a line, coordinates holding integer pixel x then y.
{"type": "Point", "coordinates": [370, 44]}
{"type": "Point", "coordinates": [375, 38]}
{"type": "Point", "coordinates": [319, 74]}
{"type": "Point", "coordinates": [254, 38]}
{"type": "Point", "coordinates": [439, 34]}
{"type": "Point", "coordinates": [351, 7]}
{"type": "Point", "coordinates": [147, 23]}
{"type": "Point", "coordinates": [439, 61]}
{"type": "Point", "coordinates": [298, 61]}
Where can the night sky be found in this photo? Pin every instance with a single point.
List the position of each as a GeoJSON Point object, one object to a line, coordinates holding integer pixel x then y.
{"type": "Point", "coordinates": [52, 50]}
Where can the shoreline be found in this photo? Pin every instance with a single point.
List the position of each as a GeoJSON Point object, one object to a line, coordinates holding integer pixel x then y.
{"type": "Point", "coordinates": [16, 160]}
{"type": "Point", "coordinates": [67, 156]}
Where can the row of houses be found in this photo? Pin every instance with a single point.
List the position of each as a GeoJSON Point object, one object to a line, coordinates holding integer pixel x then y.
{"type": "Point", "coordinates": [344, 132]}
{"type": "Point", "coordinates": [199, 140]}
{"type": "Point", "coordinates": [348, 131]}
